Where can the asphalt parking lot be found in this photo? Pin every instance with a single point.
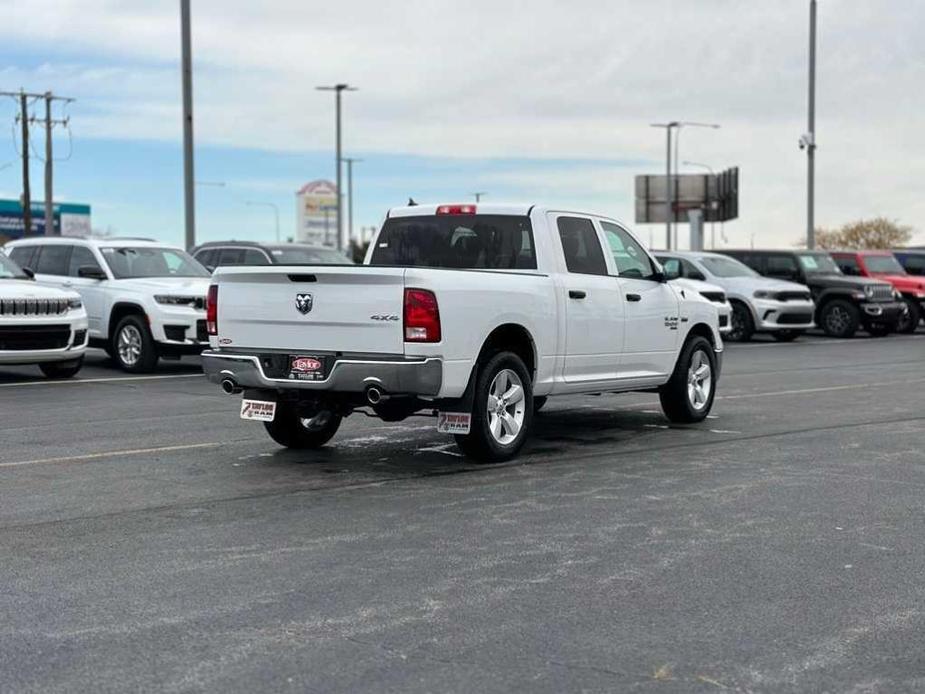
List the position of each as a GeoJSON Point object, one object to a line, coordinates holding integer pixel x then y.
{"type": "Point", "coordinates": [152, 540]}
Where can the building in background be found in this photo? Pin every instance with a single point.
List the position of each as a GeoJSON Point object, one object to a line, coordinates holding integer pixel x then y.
{"type": "Point", "coordinates": [316, 214]}
{"type": "Point", "coordinates": [70, 219]}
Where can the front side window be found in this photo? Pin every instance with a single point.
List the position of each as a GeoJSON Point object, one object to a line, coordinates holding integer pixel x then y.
{"type": "Point", "coordinates": [144, 261]}
{"type": "Point", "coordinates": [252, 256]}
{"type": "Point", "coordinates": [465, 242]}
{"type": "Point", "coordinates": [781, 266]}
{"type": "Point", "coordinates": [24, 256]}
{"type": "Point", "coordinates": [628, 256]}
{"type": "Point", "coordinates": [81, 257]}
{"type": "Point", "coordinates": [691, 272]}
{"type": "Point", "coordinates": [53, 259]}
{"type": "Point", "coordinates": [10, 270]}
{"type": "Point", "coordinates": [723, 266]}
{"type": "Point", "coordinates": [581, 247]}
{"type": "Point", "coordinates": [818, 264]}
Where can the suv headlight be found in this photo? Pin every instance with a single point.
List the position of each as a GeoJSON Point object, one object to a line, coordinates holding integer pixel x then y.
{"type": "Point", "coordinates": [764, 294]}
{"type": "Point", "coordinates": [868, 291]}
{"type": "Point", "coordinates": [74, 304]}
{"type": "Point", "coordinates": [195, 302]}
{"type": "Point", "coordinates": [897, 295]}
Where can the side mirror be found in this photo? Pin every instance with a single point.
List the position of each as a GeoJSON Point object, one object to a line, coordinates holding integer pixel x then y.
{"type": "Point", "coordinates": [91, 272]}
{"type": "Point", "coordinates": [210, 268]}
{"type": "Point", "coordinates": [29, 272]}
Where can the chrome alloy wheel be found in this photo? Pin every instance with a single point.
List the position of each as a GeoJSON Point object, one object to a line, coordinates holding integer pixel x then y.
{"type": "Point", "coordinates": [837, 319]}
{"type": "Point", "coordinates": [129, 345]}
{"type": "Point", "coordinates": [699, 380]}
{"type": "Point", "coordinates": [506, 407]}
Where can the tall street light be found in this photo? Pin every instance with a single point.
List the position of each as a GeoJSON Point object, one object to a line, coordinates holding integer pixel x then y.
{"type": "Point", "coordinates": [808, 141]}
{"type": "Point", "coordinates": [712, 202]}
{"type": "Point", "coordinates": [338, 89]}
{"type": "Point", "coordinates": [189, 194]}
{"type": "Point", "coordinates": [677, 144]}
{"type": "Point", "coordinates": [350, 161]}
{"type": "Point", "coordinates": [668, 187]}
{"type": "Point", "coordinates": [259, 203]}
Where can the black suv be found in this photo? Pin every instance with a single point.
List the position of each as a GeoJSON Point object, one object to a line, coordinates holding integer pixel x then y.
{"type": "Point", "coordinates": [843, 303]}
{"type": "Point", "coordinates": [218, 253]}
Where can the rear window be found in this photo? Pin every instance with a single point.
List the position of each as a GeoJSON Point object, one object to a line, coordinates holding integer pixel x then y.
{"type": "Point", "coordinates": [476, 242]}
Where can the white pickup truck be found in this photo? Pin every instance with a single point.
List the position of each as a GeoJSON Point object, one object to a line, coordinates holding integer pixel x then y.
{"type": "Point", "coordinates": [473, 313]}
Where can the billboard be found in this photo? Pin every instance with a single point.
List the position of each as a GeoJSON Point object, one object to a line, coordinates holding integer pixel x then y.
{"type": "Point", "coordinates": [70, 219]}
{"type": "Point", "coordinates": [316, 214]}
{"type": "Point", "coordinates": [716, 195]}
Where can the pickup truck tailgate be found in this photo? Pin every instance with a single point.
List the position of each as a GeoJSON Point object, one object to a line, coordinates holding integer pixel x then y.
{"type": "Point", "coordinates": [355, 309]}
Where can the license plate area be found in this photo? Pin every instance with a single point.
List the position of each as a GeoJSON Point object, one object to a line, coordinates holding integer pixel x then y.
{"type": "Point", "coordinates": [307, 367]}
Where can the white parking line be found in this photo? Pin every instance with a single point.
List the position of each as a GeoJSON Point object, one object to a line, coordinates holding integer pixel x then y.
{"type": "Point", "coordinates": [823, 389]}
{"type": "Point", "coordinates": [109, 454]}
{"type": "Point", "coordinates": [78, 381]}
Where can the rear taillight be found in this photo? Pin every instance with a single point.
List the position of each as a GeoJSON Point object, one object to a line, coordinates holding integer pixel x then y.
{"type": "Point", "coordinates": [456, 209]}
{"type": "Point", "coordinates": [422, 316]}
{"type": "Point", "coordinates": [212, 310]}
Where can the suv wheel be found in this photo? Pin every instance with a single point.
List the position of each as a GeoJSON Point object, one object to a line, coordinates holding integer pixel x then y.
{"type": "Point", "coordinates": [133, 347]}
{"type": "Point", "coordinates": [688, 395]}
{"type": "Point", "coordinates": [502, 412]}
{"type": "Point", "coordinates": [291, 430]}
{"type": "Point", "coordinates": [62, 369]}
{"type": "Point", "coordinates": [910, 320]}
{"type": "Point", "coordinates": [840, 318]}
{"type": "Point", "coordinates": [743, 327]}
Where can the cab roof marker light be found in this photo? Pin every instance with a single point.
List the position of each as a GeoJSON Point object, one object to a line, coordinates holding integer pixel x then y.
{"type": "Point", "coordinates": [456, 209]}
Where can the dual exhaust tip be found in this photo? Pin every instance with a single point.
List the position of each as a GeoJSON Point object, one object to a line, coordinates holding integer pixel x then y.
{"type": "Point", "coordinates": [374, 394]}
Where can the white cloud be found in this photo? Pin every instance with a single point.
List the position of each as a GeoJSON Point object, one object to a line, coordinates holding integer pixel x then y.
{"type": "Point", "coordinates": [519, 79]}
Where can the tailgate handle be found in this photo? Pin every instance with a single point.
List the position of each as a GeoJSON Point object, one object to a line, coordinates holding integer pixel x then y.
{"type": "Point", "coordinates": [302, 278]}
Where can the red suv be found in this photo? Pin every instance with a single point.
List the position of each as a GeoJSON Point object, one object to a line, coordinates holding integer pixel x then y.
{"type": "Point", "coordinates": [883, 265]}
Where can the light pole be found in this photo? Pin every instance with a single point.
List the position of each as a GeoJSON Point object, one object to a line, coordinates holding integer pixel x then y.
{"type": "Point", "coordinates": [668, 182]}
{"type": "Point", "coordinates": [712, 201]}
{"type": "Point", "coordinates": [259, 203]}
{"type": "Point", "coordinates": [189, 194]}
{"type": "Point", "coordinates": [677, 143]}
{"type": "Point", "coordinates": [338, 89]}
{"type": "Point", "coordinates": [350, 161]}
{"type": "Point", "coordinates": [478, 196]}
{"type": "Point", "coordinates": [808, 141]}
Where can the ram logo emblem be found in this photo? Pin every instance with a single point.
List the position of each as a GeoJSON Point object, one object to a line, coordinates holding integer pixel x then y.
{"type": "Point", "coordinates": [303, 302]}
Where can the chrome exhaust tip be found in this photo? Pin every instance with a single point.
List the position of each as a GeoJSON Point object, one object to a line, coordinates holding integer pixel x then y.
{"type": "Point", "coordinates": [230, 387]}
{"type": "Point", "coordinates": [373, 395]}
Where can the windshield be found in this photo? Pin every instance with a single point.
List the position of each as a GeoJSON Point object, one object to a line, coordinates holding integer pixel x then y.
{"type": "Point", "coordinates": [308, 255]}
{"type": "Point", "coordinates": [10, 270]}
{"type": "Point", "coordinates": [721, 266]}
{"type": "Point", "coordinates": [481, 241]}
{"type": "Point", "coordinates": [818, 264]}
{"type": "Point", "coordinates": [883, 264]}
{"type": "Point", "coordinates": [144, 261]}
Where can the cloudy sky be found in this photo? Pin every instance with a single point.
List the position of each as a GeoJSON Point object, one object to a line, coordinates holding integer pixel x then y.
{"type": "Point", "coordinates": [541, 101]}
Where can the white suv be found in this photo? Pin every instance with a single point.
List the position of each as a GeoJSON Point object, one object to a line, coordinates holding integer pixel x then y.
{"type": "Point", "coordinates": [40, 325]}
{"type": "Point", "coordinates": [144, 299]}
{"type": "Point", "coordinates": [759, 304]}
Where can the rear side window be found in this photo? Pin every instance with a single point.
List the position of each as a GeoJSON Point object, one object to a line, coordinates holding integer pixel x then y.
{"type": "Point", "coordinates": [914, 264]}
{"type": "Point", "coordinates": [24, 256]}
{"type": "Point", "coordinates": [581, 247]}
{"type": "Point", "coordinates": [781, 266]}
{"type": "Point", "coordinates": [848, 265]}
{"type": "Point", "coordinates": [231, 256]}
{"type": "Point", "coordinates": [206, 257]}
{"type": "Point", "coordinates": [53, 260]}
{"type": "Point", "coordinates": [254, 257]}
{"type": "Point", "coordinates": [471, 242]}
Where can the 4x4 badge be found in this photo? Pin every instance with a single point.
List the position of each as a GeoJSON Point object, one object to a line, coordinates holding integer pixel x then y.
{"type": "Point", "coordinates": [303, 302]}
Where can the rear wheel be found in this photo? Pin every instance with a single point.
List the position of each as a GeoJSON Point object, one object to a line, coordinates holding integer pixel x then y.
{"type": "Point", "coordinates": [62, 369]}
{"type": "Point", "coordinates": [502, 411]}
{"type": "Point", "coordinates": [688, 395]}
{"type": "Point", "coordinates": [786, 335]}
{"type": "Point", "coordinates": [743, 327]}
{"type": "Point", "coordinates": [910, 320]}
{"type": "Point", "coordinates": [840, 318]}
{"type": "Point", "coordinates": [290, 429]}
{"type": "Point", "coordinates": [133, 347]}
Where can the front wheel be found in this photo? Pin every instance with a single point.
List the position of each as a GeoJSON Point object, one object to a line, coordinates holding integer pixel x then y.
{"type": "Point", "coordinates": [840, 318]}
{"type": "Point", "coordinates": [62, 369]}
{"type": "Point", "coordinates": [290, 429]}
{"type": "Point", "coordinates": [133, 346]}
{"type": "Point", "coordinates": [910, 320]}
{"type": "Point", "coordinates": [786, 335]}
{"type": "Point", "coordinates": [502, 410]}
{"type": "Point", "coordinates": [688, 395]}
{"type": "Point", "coordinates": [743, 327]}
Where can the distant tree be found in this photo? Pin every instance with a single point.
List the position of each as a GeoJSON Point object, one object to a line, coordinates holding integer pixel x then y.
{"type": "Point", "coordinates": [863, 234]}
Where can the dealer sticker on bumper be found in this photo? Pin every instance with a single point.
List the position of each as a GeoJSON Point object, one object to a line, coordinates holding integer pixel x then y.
{"type": "Point", "coordinates": [454, 422]}
{"type": "Point", "coordinates": [258, 410]}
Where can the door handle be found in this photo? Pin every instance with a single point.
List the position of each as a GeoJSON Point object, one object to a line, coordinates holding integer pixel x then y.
{"type": "Point", "coordinates": [67, 284]}
{"type": "Point", "coordinates": [633, 297]}
{"type": "Point", "coordinates": [576, 294]}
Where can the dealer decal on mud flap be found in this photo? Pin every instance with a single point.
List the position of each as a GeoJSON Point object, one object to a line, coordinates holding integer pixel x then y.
{"type": "Point", "coordinates": [453, 422]}
{"type": "Point", "coordinates": [259, 410]}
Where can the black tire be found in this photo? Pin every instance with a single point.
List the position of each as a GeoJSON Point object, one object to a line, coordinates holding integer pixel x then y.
{"type": "Point", "coordinates": [742, 326]}
{"type": "Point", "coordinates": [62, 369]}
{"type": "Point", "coordinates": [138, 334]}
{"type": "Point", "coordinates": [840, 318]}
{"type": "Point", "coordinates": [480, 443]}
{"type": "Point", "coordinates": [879, 330]}
{"type": "Point", "coordinates": [910, 321]}
{"type": "Point", "coordinates": [676, 397]}
{"type": "Point", "coordinates": [291, 430]}
{"type": "Point", "coordinates": [786, 335]}
{"type": "Point", "coordinates": [539, 403]}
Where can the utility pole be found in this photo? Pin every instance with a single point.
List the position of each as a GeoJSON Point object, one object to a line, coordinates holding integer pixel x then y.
{"type": "Point", "coordinates": [338, 89]}
{"type": "Point", "coordinates": [189, 183]}
{"type": "Point", "coordinates": [350, 162]}
{"type": "Point", "coordinates": [26, 193]}
{"type": "Point", "coordinates": [50, 123]}
{"type": "Point", "coordinates": [669, 192]}
{"type": "Point", "coordinates": [478, 196]}
{"type": "Point", "coordinates": [809, 140]}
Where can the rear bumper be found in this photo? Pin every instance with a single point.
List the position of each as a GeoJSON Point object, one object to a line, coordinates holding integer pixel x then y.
{"type": "Point", "coordinates": [394, 375]}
